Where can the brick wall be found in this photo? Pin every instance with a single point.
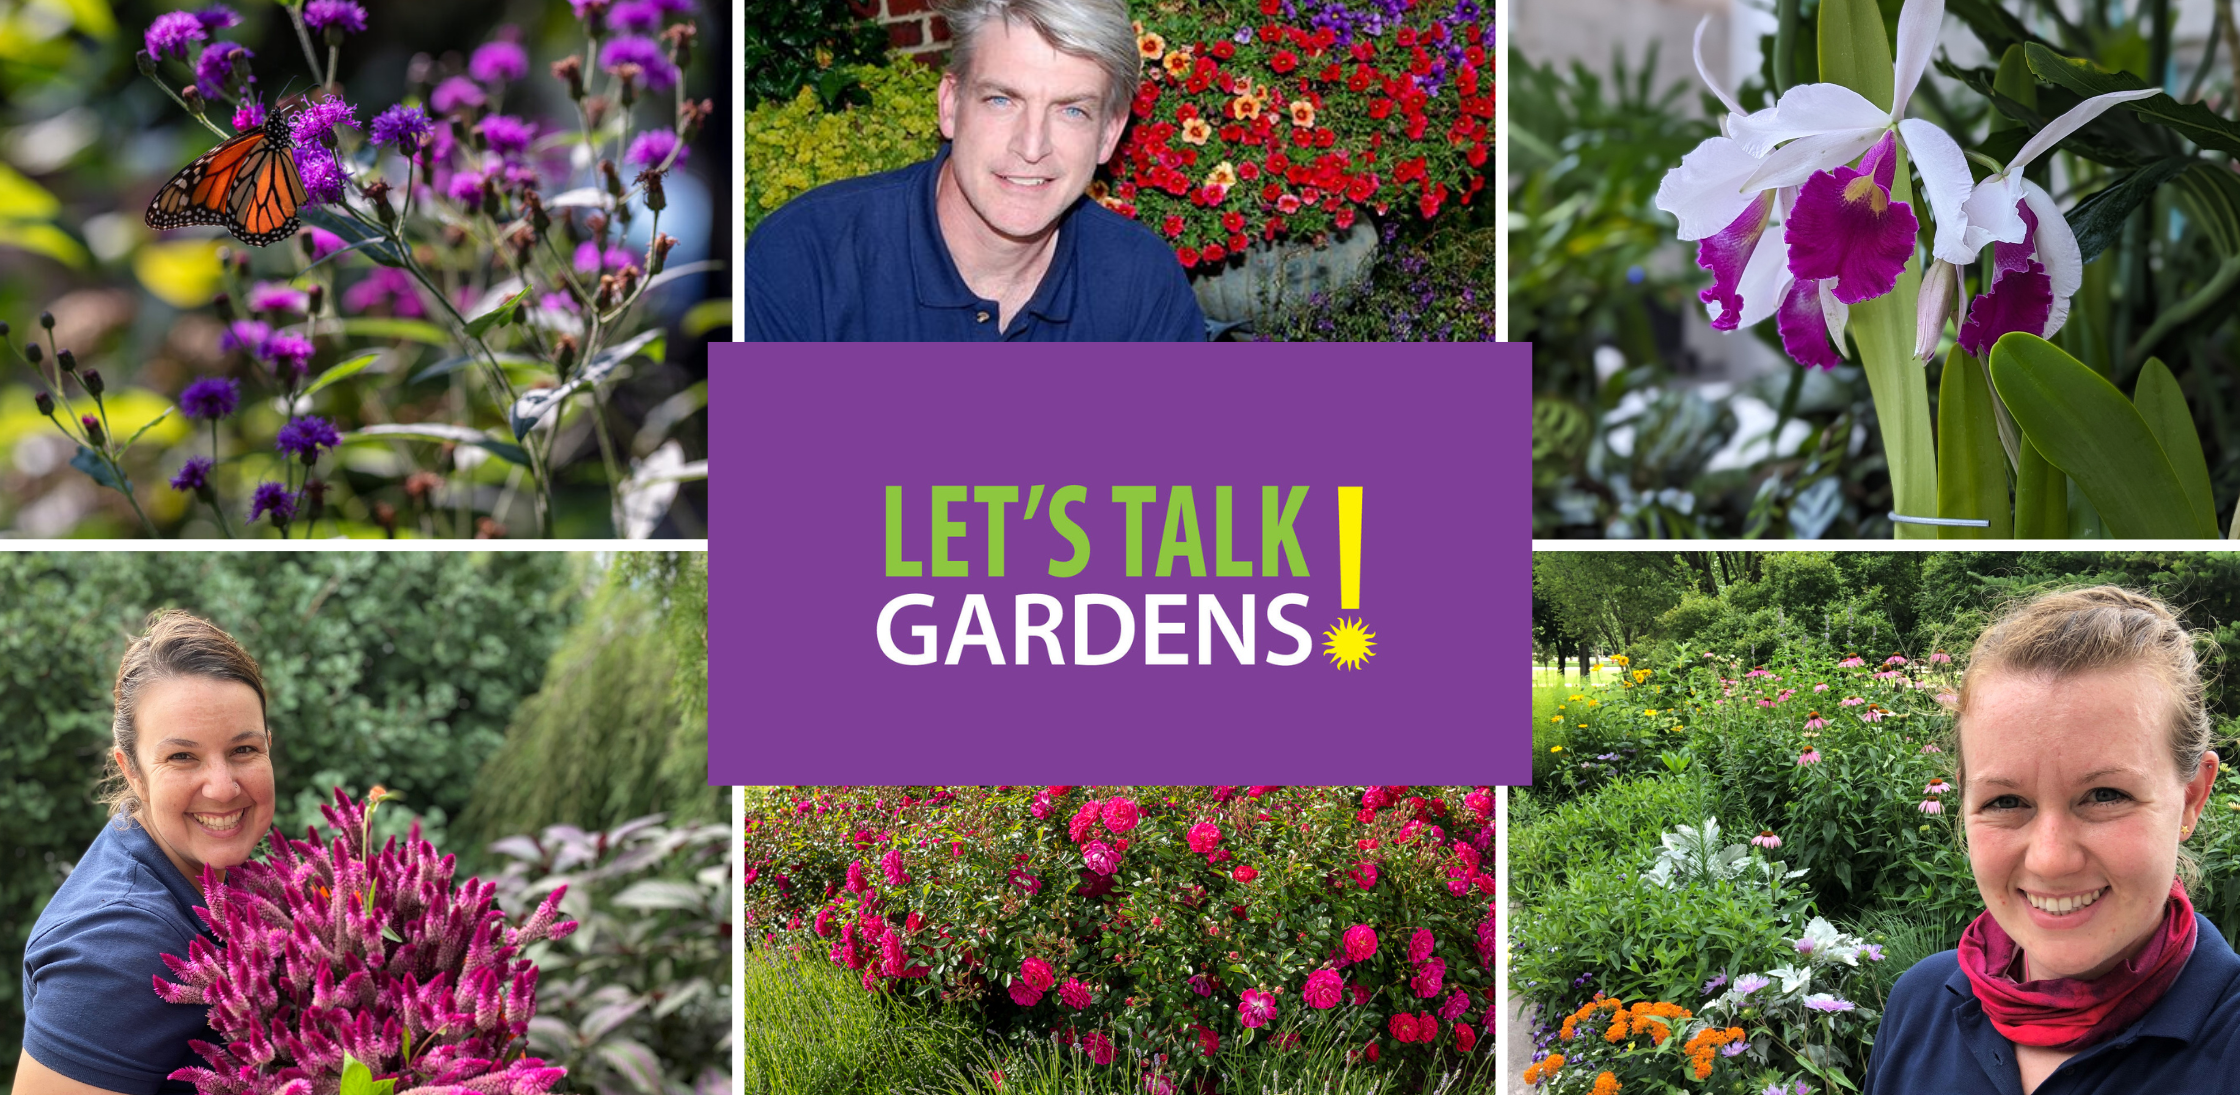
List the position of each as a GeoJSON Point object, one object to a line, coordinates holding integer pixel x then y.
{"type": "Point", "coordinates": [911, 25]}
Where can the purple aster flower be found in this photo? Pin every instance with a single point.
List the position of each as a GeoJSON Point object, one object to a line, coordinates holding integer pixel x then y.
{"type": "Point", "coordinates": [1734, 1049]}
{"type": "Point", "coordinates": [507, 134]}
{"type": "Point", "coordinates": [588, 259]}
{"type": "Point", "coordinates": [652, 147]}
{"type": "Point", "coordinates": [1714, 984]}
{"type": "Point", "coordinates": [217, 17]}
{"type": "Point", "coordinates": [210, 398]}
{"type": "Point", "coordinates": [647, 54]}
{"type": "Point", "coordinates": [194, 476]}
{"type": "Point", "coordinates": [172, 32]}
{"type": "Point", "coordinates": [315, 123]}
{"type": "Point", "coordinates": [456, 92]}
{"type": "Point", "coordinates": [498, 62]}
{"type": "Point", "coordinates": [323, 242]}
{"type": "Point", "coordinates": [635, 16]}
{"type": "Point", "coordinates": [289, 353]}
{"type": "Point", "coordinates": [465, 187]}
{"type": "Point", "coordinates": [244, 335]}
{"type": "Point", "coordinates": [1821, 1001]}
{"type": "Point", "coordinates": [322, 177]}
{"type": "Point", "coordinates": [341, 15]}
{"type": "Point", "coordinates": [219, 64]}
{"type": "Point", "coordinates": [403, 126]}
{"type": "Point", "coordinates": [1749, 983]}
{"type": "Point", "coordinates": [304, 437]}
{"type": "Point", "coordinates": [1846, 227]}
{"type": "Point", "coordinates": [273, 498]}
{"type": "Point", "coordinates": [249, 115]}
{"type": "Point", "coordinates": [268, 296]}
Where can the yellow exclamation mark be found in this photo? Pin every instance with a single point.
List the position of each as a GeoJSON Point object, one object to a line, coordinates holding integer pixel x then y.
{"type": "Point", "coordinates": [1349, 547]}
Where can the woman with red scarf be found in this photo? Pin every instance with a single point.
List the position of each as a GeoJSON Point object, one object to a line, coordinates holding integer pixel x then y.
{"type": "Point", "coordinates": [2084, 764]}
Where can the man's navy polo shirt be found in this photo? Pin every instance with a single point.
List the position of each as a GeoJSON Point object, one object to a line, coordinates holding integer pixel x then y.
{"type": "Point", "coordinates": [863, 260]}
{"type": "Point", "coordinates": [90, 1009]}
{"type": "Point", "coordinates": [1935, 1039]}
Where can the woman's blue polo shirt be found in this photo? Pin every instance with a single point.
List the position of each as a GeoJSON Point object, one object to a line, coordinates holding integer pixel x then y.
{"type": "Point", "coordinates": [863, 260]}
{"type": "Point", "coordinates": [90, 1009]}
{"type": "Point", "coordinates": [1935, 1039]}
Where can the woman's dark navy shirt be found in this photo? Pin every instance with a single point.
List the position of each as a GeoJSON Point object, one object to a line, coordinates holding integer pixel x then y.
{"type": "Point", "coordinates": [1935, 1039]}
{"type": "Point", "coordinates": [89, 1001]}
{"type": "Point", "coordinates": [863, 260]}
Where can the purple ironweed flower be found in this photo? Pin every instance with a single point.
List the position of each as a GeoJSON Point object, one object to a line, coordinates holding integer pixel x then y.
{"type": "Point", "coordinates": [341, 15]}
{"type": "Point", "coordinates": [267, 296]}
{"type": "Point", "coordinates": [194, 476]}
{"type": "Point", "coordinates": [507, 134]}
{"type": "Point", "coordinates": [465, 187]}
{"type": "Point", "coordinates": [590, 9]}
{"type": "Point", "coordinates": [217, 17]}
{"type": "Point", "coordinates": [315, 123]}
{"type": "Point", "coordinates": [171, 33]}
{"type": "Point", "coordinates": [322, 177]}
{"type": "Point", "coordinates": [456, 92]}
{"type": "Point", "coordinates": [403, 126]}
{"type": "Point", "coordinates": [249, 115]}
{"type": "Point", "coordinates": [635, 16]}
{"type": "Point", "coordinates": [653, 61]}
{"type": "Point", "coordinates": [314, 904]}
{"type": "Point", "coordinates": [244, 335]}
{"type": "Point", "coordinates": [385, 286]}
{"type": "Point", "coordinates": [306, 436]}
{"type": "Point", "coordinates": [590, 261]}
{"type": "Point", "coordinates": [219, 64]}
{"type": "Point", "coordinates": [272, 498]}
{"type": "Point", "coordinates": [652, 147]}
{"type": "Point", "coordinates": [323, 242]}
{"type": "Point", "coordinates": [288, 352]}
{"type": "Point", "coordinates": [676, 7]}
{"type": "Point", "coordinates": [210, 398]}
{"type": "Point", "coordinates": [498, 62]}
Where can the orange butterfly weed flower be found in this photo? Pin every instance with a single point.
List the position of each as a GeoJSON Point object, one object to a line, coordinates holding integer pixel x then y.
{"type": "Point", "coordinates": [1606, 1084]}
{"type": "Point", "coordinates": [1544, 1069]}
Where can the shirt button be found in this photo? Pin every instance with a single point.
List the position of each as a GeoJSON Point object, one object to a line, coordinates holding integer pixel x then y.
{"type": "Point", "coordinates": [983, 317]}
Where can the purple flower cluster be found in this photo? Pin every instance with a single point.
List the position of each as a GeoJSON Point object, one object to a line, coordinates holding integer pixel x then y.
{"type": "Point", "coordinates": [275, 499]}
{"type": "Point", "coordinates": [194, 476]}
{"type": "Point", "coordinates": [342, 15]}
{"type": "Point", "coordinates": [655, 71]}
{"type": "Point", "coordinates": [210, 398]}
{"type": "Point", "coordinates": [501, 61]}
{"type": "Point", "coordinates": [219, 65]}
{"type": "Point", "coordinates": [172, 32]}
{"type": "Point", "coordinates": [304, 437]}
{"type": "Point", "coordinates": [315, 123]}
{"type": "Point", "coordinates": [403, 126]}
{"type": "Point", "coordinates": [322, 952]}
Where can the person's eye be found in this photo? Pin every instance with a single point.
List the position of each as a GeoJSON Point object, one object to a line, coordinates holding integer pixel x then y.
{"type": "Point", "coordinates": [2103, 796]}
{"type": "Point", "coordinates": [998, 100]}
{"type": "Point", "coordinates": [1077, 114]}
{"type": "Point", "coordinates": [247, 751]}
{"type": "Point", "coordinates": [2003, 802]}
{"type": "Point", "coordinates": [177, 758]}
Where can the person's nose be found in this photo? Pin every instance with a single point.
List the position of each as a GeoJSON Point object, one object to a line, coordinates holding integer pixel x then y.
{"type": "Point", "coordinates": [1030, 139]}
{"type": "Point", "coordinates": [2056, 851]}
{"type": "Point", "coordinates": [219, 781]}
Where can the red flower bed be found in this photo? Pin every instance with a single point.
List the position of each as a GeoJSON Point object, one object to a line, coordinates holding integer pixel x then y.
{"type": "Point", "coordinates": [1291, 119]}
{"type": "Point", "coordinates": [1136, 922]}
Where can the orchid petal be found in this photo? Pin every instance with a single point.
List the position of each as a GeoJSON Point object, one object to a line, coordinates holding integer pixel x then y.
{"type": "Point", "coordinates": [1990, 211]}
{"type": "Point", "coordinates": [1707, 192]}
{"type": "Point", "coordinates": [1918, 23]}
{"type": "Point", "coordinates": [1803, 330]}
{"type": "Point", "coordinates": [1766, 280]}
{"type": "Point", "coordinates": [1801, 159]}
{"type": "Point", "coordinates": [1946, 183]}
{"type": "Point", "coordinates": [2018, 301]}
{"type": "Point", "coordinates": [2056, 316]}
{"type": "Point", "coordinates": [1704, 71]}
{"type": "Point", "coordinates": [1809, 110]}
{"type": "Point", "coordinates": [2057, 245]}
{"type": "Point", "coordinates": [1846, 227]}
{"type": "Point", "coordinates": [1933, 307]}
{"type": "Point", "coordinates": [1727, 254]}
{"type": "Point", "coordinates": [2070, 122]}
{"type": "Point", "coordinates": [1835, 312]}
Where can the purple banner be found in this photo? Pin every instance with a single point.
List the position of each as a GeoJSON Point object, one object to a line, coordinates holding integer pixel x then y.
{"type": "Point", "coordinates": [865, 484]}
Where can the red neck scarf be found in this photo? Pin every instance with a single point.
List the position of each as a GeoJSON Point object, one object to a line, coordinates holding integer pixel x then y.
{"type": "Point", "coordinates": [2064, 1012]}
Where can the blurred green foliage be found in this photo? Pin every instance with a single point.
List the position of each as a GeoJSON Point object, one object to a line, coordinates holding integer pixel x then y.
{"type": "Point", "coordinates": [811, 44]}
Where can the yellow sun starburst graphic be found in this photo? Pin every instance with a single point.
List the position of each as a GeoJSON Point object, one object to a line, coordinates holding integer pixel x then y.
{"type": "Point", "coordinates": [1349, 644]}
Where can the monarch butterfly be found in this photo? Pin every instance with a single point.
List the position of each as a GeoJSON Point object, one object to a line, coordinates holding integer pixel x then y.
{"type": "Point", "coordinates": [249, 183]}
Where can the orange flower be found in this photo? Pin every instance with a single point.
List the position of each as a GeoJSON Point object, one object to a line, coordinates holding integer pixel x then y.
{"type": "Point", "coordinates": [1544, 1069]}
{"type": "Point", "coordinates": [1302, 114]}
{"type": "Point", "coordinates": [1151, 46]}
{"type": "Point", "coordinates": [1196, 131]}
{"type": "Point", "coordinates": [1178, 63]}
{"type": "Point", "coordinates": [1606, 1084]}
{"type": "Point", "coordinates": [1224, 175]}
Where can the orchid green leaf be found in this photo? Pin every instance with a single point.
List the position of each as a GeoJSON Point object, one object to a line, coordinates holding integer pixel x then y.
{"type": "Point", "coordinates": [2098, 219]}
{"type": "Point", "coordinates": [2086, 429]}
{"type": "Point", "coordinates": [2041, 498]}
{"type": "Point", "coordinates": [1971, 467]}
{"type": "Point", "coordinates": [2193, 121]}
{"type": "Point", "coordinates": [2163, 405]}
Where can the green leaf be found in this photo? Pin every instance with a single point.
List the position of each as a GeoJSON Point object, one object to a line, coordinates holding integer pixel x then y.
{"type": "Point", "coordinates": [145, 427]}
{"type": "Point", "coordinates": [2041, 497]}
{"type": "Point", "coordinates": [2192, 121]}
{"type": "Point", "coordinates": [343, 371]}
{"type": "Point", "coordinates": [2082, 425]}
{"type": "Point", "coordinates": [91, 463]}
{"type": "Point", "coordinates": [416, 330]}
{"type": "Point", "coordinates": [2098, 219]}
{"type": "Point", "coordinates": [706, 316]}
{"type": "Point", "coordinates": [443, 431]}
{"type": "Point", "coordinates": [451, 365]}
{"type": "Point", "coordinates": [1993, 25]}
{"type": "Point", "coordinates": [1971, 467]}
{"type": "Point", "coordinates": [2211, 195]}
{"type": "Point", "coordinates": [357, 1079]}
{"type": "Point", "coordinates": [1855, 49]}
{"type": "Point", "coordinates": [532, 407]}
{"type": "Point", "coordinates": [2163, 405]}
{"type": "Point", "coordinates": [503, 313]}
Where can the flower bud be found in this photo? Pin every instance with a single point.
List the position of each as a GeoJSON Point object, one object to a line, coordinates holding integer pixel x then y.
{"type": "Point", "coordinates": [569, 70]}
{"type": "Point", "coordinates": [539, 220]}
{"type": "Point", "coordinates": [192, 96]}
{"type": "Point", "coordinates": [4, 328]}
{"type": "Point", "coordinates": [223, 305]}
{"type": "Point", "coordinates": [1939, 290]}
{"type": "Point", "coordinates": [316, 295]}
{"type": "Point", "coordinates": [692, 115]}
{"type": "Point", "coordinates": [628, 74]}
{"type": "Point", "coordinates": [613, 177]}
{"type": "Point", "coordinates": [564, 354]}
{"type": "Point", "coordinates": [377, 192]}
{"type": "Point", "coordinates": [315, 496]}
{"type": "Point", "coordinates": [595, 109]}
{"type": "Point", "coordinates": [680, 37]}
{"type": "Point", "coordinates": [66, 359]}
{"type": "Point", "coordinates": [32, 353]}
{"type": "Point", "coordinates": [385, 515]}
{"type": "Point", "coordinates": [657, 255]}
{"type": "Point", "coordinates": [92, 380]}
{"type": "Point", "coordinates": [46, 320]}
{"type": "Point", "coordinates": [656, 199]}
{"type": "Point", "coordinates": [45, 403]}
{"type": "Point", "coordinates": [241, 263]}
{"type": "Point", "coordinates": [592, 12]}
{"type": "Point", "coordinates": [146, 62]}
{"type": "Point", "coordinates": [626, 280]}
{"type": "Point", "coordinates": [605, 300]}
{"type": "Point", "coordinates": [94, 436]}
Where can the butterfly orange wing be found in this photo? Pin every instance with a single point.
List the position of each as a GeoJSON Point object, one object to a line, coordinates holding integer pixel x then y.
{"type": "Point", "coordinates": [249, 184]}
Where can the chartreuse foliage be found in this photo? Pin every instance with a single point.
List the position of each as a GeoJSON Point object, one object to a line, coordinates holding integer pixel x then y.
{"type": "Point", "coordinates": [794, 145]}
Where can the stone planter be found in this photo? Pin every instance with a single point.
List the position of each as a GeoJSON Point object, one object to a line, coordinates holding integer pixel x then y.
{"type": "Point", "coordinates": [1285, 273]}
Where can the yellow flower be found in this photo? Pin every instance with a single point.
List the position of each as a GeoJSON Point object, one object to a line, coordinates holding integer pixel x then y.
{"type": "Point", "coordinates": [1302, 114]}
{"type": "Point", "coordinates": [1196, 131]}
{"type": "Point", "coordinates": [1619, 660]}
{"type": "Point", "coordinates": [1578, 697]}
{"type": "Point", "coordinates": [1555, 749]}
{"type": "Point", "coordinates": [1178, 63]}
{"type": "Point", "coordinates": [1559, 718]}
{"type": "Point", "coordinates": [1224, 175]}
{"type": "Point", "coordinates": [1151, 46]}
{"type": "Point", "coordinates": [1098, 190]}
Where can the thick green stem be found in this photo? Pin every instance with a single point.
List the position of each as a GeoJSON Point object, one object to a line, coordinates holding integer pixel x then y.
{"type": "Point", "coordinates": [2221, 283]}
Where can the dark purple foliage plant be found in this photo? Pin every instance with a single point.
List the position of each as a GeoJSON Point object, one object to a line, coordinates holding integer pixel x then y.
{"type": "Point", "coordinates": [342, 970]}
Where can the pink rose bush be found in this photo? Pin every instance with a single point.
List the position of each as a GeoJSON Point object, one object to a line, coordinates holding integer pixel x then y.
{"type": "Point", "coordinates": [332, 950]}
{"type": "Point", "coordinates": [1130, 923]}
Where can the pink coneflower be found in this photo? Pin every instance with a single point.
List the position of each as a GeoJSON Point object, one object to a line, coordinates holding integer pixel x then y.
{"type": "Point", "coordinates": [1766, 840]}
{"type": "Point", "coordinates": [1931, 748]}
{"type": "Point", "coordinates": [1850, 701]}
{"type": "Point", "coordinates": [1852, 662]}
{"type": "Point", "coordinates": [1809, 756]}
{"type": "Point", "coordinates": [1819, 688]}
{"type": "Point", "coordinates": [1948, 698]}
{"type": "Point", "coordinates": [1940, 658]}
{"type": "Point", "coordinates": [1936, 787]}
{"type": "Point", "coordinates": [1873, 713]}
{"type": "Point", "coordinates": [1894, 659]}
{"type": "Point", "coordinates": [1931, 806]}
{"type": "Point", "coordinates": [1815, 722]}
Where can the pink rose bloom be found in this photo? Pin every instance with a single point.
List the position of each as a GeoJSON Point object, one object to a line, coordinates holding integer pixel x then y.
{"type": "Point", "coordinates": [1480, 803]}
{"type": "Point", "coordinates": [1100, 857]}
{"type": "Point", "coordinates": [1025, 995]}
{"type": "Point", "coordinates": [1075, 994]}
{"type": "Point", "coordinates": [1099, 1047]}
{"type": "Point", "coordinates": [1256, 1009]}
{"type": "Point", "coordinates": [1244, 873]}
{"type": "Point", "coordinates": [1024, 881]}
{"type": "Point", "coordinates": [1324, 989]}
{"type": "Point", "coordinates": [1376, 798]}
{"type": "Point", "coordinates": [1203, 836]}
{"type": "Point", "coordinates": [1083, 820]}
{"type": "Point", "coordinates": [891, 865]}
{"type": "Point", "coordinates": [1360, 995]}
{"type": "Point", "coordinates": [1420, 945]}
{"type": "Point", "coordinates": [1403, 1027]}
{"type": "Point", "coordinates": [856, 884]}
{"type": "Point", "coordinates": [1364, 875]}
{"type": "Point", "coordinates": [1036, 972]}
{"type": "Point", "coordinates": [1457, 1006]}
{"type": "Point", "coordinates": [1427, 980]}
{"type": "Point", "coordinates": [1468, 854]}
{"type": "Point", "coordinates": [1121, 815]}
{"type": "Point", "coordinates": [1198, 984]}
{"type": "Point", "coordinates": [1361, 942]}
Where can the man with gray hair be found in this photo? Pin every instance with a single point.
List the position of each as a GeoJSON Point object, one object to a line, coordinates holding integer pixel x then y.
{"type": "Point", "coordinates": [992, 239]}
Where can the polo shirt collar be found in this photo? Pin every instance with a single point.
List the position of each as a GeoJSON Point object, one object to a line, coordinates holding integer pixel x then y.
{"type": "Point", "coordinates": [934, 273]}
{"type": "Point", "coordinates": [141, 846]}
